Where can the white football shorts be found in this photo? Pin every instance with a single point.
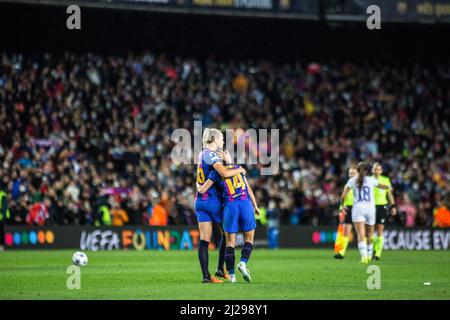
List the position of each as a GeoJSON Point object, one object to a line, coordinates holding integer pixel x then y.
{"type": "Point", "coordinates": [364, 214]}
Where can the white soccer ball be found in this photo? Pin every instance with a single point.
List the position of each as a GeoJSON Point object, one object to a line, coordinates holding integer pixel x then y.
{"type": "Point", "coordinates": [79, 258]}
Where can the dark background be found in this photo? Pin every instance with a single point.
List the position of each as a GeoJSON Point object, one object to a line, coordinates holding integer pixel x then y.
{"type": "Point", "coordinates": [30, 28]}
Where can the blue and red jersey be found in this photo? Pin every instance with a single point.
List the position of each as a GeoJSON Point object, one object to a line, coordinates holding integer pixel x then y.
{"type": "Point", "coordinates": [233, 188]}
{"type": "Point", "coordinates": [206, 160]}
{"type": "Point", "coordinates": [238, 210]}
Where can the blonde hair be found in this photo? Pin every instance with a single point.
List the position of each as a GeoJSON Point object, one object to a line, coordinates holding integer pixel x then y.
{"type": "Point", "coordinates": [209, 135]}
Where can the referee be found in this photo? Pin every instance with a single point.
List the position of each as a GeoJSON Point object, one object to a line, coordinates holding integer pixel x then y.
{"type": "Point", "coordinates": [384, 202]}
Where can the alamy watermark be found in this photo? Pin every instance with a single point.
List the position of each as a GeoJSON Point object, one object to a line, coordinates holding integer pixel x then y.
{"type": "Point", "coordinates": [374, 280]}
{"type": "Point", "coordinates": [74, 279]}
{"type": "Point", "coordinates": [74, 20]}
{"type": "Point", "coordinates": [250, 147]}
{"type": "Point", "coordinates": [373, 22]}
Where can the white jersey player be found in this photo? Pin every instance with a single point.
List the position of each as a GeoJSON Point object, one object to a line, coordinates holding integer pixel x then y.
{"type": "Point", "coordinates": [363, 210]}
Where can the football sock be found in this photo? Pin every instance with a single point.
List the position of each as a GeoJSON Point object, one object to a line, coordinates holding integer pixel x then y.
{"type": "Point", "coordinates": [362, 246]}
{"type": "Point", "coordinates": [246, 252]}
{"type": "Point", "coordinates": [375, 243]}
{"type": "Point", "coordinates": [370, 250]}
{"type": "Point", "coordinates": [229, 259]}
{"type": "Point", "coordinates": [344, 246]}
{"type": "Point", "coordinates": [222, 247]}
{"type": "Point", "coordinates": [203, 257]}
{"type": "Point", "coordinates": [379, 246]}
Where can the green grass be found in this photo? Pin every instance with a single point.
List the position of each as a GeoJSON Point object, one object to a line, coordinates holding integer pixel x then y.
{"type": "Point", "coordinates": [281, 274]}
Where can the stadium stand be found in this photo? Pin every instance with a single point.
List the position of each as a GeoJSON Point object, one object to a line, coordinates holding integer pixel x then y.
{"type": "Point", "coordinates": [86, 115]}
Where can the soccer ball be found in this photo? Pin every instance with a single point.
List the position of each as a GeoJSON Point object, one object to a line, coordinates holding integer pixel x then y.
{"type": "Point", "coordinates": [79, 258]}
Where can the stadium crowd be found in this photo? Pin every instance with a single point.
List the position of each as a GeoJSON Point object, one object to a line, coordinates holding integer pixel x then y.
{"type": "Point", "coordinates": [85, 139]}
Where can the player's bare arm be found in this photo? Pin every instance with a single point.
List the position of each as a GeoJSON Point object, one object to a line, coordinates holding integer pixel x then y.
{"type": "Point", "coordinates": [391, 200]}
{"type": "Point", "coordinates": [225, 156]}
{"type": "Point", "coordinates": [252, 196]}
{"type": "Point", "coordinates": [202, 188]}
{"type": "Point", "coordinates": [227, 173]}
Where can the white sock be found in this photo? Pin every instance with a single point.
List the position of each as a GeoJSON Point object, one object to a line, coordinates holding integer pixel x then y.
{"type": "Point", "coordinates": [370, 250]}
{"type": "Point", "coordinates": [362, 246]}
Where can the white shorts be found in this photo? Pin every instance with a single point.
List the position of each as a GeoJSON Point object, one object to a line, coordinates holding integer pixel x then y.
{"type": "Point", "coordinates": [364, 214]}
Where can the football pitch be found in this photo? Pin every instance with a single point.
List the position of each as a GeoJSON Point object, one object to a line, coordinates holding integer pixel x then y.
{"type": "Point", "coordinates": [280, 274]}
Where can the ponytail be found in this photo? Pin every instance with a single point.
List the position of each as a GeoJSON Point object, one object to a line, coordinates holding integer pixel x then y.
{"type": "Point", "coordinates": [362, 172]}
{"type": "Point", "coordinates": [209, 135]}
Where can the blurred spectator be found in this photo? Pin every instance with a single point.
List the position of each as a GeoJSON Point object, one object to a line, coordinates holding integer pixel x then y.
{"type": "Point", "coordinates": [442, 215]}
{"type": "Point", "coordinates": [80, 127]}
{"type": "Point", "coordinates": [104, 216]}
{"type": "Point", "coordinates": [159, 216]}
{"type": "Point", "coordinates": [38, 214]}
{"type": "Point", "coordinates": [240, 83]}
{"type": "Point", "coordinates": [119, 216]}
{"type": "Point", "coordinates": [409, 211]}
{"type": "Point", "coordinates": [273, 225]}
